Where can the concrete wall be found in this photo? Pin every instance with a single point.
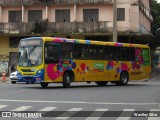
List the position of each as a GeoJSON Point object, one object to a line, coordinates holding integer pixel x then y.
{"type": "Point", "coordinates": [4, 54]}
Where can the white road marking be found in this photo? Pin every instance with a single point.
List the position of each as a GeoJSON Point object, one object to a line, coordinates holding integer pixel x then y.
{"type": "Point", "coordinates": [74, 110]}
{"type": "Point", "coordinates": [22, 108]}
{"type": "Point", "coordinates": [48, 109]}
{"type": "Point", "coordinates": [99, 114]}
{"type": "Point", "coordinates": [124, 113]}
{"type": "Point", "coordinates": [3, 106]}
{"type": "Point", "coordinates": [79, 102]}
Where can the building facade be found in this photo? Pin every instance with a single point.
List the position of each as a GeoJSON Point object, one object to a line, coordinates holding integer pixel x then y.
{"type": "Point", "coordinates": [79, 19]}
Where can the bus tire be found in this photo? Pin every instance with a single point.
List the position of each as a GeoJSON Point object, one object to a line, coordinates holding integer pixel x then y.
{"type": "Point", "coordinates": [101, 83]}
{"type": "Point", "coordinates": [124, 78]}
{"type": "Point", "coordinates": [44, 85]}
{"type": "Point", "coordinates": [66, 80]}
{"type": "Point", "coordinates": [13, 82]}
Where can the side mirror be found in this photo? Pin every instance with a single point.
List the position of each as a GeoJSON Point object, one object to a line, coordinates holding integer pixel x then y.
{"type": "Point", "coordinates": [19, 54]}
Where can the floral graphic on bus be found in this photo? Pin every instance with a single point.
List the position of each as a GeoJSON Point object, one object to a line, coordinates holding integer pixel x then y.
{"type": "Point", "coordinates": [124, 66]}
{"type": "Point", "coordinates": [83, 67]}
{"type": "Point", "coordinates": [110, 65]}
{"type": "Point", "coordinates": [74, 65]}
{"type": "Point", "coordinates": [52, 71]}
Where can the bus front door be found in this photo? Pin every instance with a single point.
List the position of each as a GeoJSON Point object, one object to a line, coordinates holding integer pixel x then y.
{"type": "Point", "coordinates": [51, 55]}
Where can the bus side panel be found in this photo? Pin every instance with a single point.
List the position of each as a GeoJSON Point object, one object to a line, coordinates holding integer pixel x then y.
{"type": "Point", "coordinates": [52, 73]}
{"type": "Point", "coordinates": [91, 71]}
{"type": "Point", "coordinates": [146, 74]}
{"type": "Point", "coordinates": [135, 70]}
{"type": "Point", "coordinates": [55, 72]}
{"type": "Point", "coordinates": [111, 74]}
{"type": "Point", "coordinates": [78, 66]}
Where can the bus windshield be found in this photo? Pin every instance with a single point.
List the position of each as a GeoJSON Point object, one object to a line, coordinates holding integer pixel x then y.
{"type": "Point", "coordinates": [30, 56]}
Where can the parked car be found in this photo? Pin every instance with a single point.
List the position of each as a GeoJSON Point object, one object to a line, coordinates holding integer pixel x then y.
{"type": "Point", "coordinates": [13, 77]}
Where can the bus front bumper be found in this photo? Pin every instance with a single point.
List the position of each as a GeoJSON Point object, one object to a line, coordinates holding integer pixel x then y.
{"type": "Point", "coordinates": [29, 79]}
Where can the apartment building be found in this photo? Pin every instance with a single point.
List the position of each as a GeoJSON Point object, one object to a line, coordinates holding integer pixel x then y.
{"type": "Point", "coordinates": [79, 19]}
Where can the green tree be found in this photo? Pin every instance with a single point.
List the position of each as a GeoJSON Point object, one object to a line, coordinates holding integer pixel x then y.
{"type": "Point", "coordinates": [155, 11]}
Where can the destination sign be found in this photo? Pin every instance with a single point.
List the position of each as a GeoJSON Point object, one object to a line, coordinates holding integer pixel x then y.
{"type": "Point", "coordinates": [30, 42]}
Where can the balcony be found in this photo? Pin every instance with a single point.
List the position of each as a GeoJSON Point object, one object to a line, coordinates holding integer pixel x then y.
{"type": "Point", "coordinates": [63, 28]}
{"type": "Point", "coordinates": [52, 2]}
{"type": "Point", "coordinates": [56, 27]}
{"type": "Point", "coordinates": [144, 9]}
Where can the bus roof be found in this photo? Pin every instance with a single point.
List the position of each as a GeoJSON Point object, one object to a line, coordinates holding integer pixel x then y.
{"type": "Point", "coordinates": [66, 40]}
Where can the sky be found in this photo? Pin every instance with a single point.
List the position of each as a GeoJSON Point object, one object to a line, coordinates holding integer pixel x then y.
{"type": "Point", "coordinates": [158, 0]}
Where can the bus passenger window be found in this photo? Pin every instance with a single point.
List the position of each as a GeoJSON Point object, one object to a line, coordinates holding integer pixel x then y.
{"type": "Point", "coordinates": [71, 55]}
{"type": "Point", "coordinates": [138, 54]}
{"type": "Point", "coordinates": [132, 54]}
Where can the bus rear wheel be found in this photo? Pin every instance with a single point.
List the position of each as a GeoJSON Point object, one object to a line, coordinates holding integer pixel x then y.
{"type": "Point", "coordinates": [101, 83]}
{"type": "Point", "coordinates": [66, 80]}
{"type": "Point", "coordinates": [44, 85]}
{"type": "Point", "coordinates": [124, 78]}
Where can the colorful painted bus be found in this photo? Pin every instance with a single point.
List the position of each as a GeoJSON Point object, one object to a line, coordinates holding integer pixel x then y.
{"type": "Point", "coordinates": [60, 60]}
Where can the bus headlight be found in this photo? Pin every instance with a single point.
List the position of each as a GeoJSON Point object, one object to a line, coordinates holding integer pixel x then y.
{"type": "Point", "coordinates": [39, 72]}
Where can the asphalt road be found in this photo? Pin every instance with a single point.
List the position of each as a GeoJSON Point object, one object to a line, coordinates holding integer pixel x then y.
{"type": "Point", "coordinates": [122, 101]}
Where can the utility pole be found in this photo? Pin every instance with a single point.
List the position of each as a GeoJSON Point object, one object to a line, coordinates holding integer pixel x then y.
{"type": "Point", "coordinates": [114, 20]}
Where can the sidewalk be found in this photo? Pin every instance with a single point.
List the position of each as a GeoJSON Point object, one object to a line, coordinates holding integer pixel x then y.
{"type": "Point", "coordinates": [6, 80]}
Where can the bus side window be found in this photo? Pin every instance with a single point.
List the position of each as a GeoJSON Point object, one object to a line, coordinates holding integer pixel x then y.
{"type": "Point", "coordinates": [66, 50]}
{"type": "Point", "coordinates": [63, 50]}
{"type": "Point", "coordinates": [132, 54]}
{"type": "Point", "coordinates": [77, 51]}
{"type": "Point", "coordinates": [118, 53]}
{"type": "Point", "coordinates": [92, 52]}
{"type": "Point", "coordinates": [138, 54]}
{"type": "Point", "coordinates": [109, 52]}
{"type": "Point", "coordinates": [70, 50]}
{"type": "Point", "coordinates": [84, 51]}
{"type": "Point", "coordinates": [146, 57]}
{"type": "Point", "coordinates": [100, 52]}
{"type": "Point", "coordinates": [113, 53]}
{"type": "Point", "coordinates": [124, 54]}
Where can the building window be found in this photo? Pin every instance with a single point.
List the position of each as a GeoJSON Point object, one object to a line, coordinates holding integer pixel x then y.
{"type": "Point", "coordinates": [90, 15]}
{"type": "Point", "coordinates": [34, 15]}
{"type": "Point", "coordinates": [15, 16]}
{"type": "Point", "coordinates": [62, 15]}
{"type": "Point", "coordinates": [120, 14]}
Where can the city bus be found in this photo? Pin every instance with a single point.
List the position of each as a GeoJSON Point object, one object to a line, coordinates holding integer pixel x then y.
{"type": "Point", "coordinates": [61, 60]}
